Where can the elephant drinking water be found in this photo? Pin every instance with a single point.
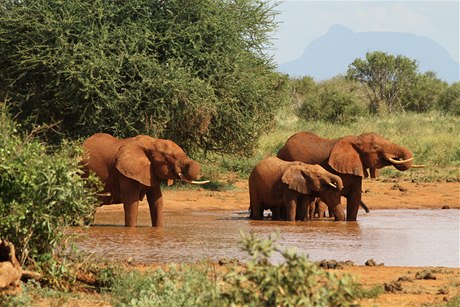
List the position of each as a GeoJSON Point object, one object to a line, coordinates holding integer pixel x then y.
{"type": "Point", "coordinates": [287, 187]}
{"type": "Point", "coordinates": [132, 168]}
{"type": "Point", "coordinates": [349, 157]}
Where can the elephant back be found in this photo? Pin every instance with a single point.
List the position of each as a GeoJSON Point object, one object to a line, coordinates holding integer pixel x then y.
{"type": "Point", "coordinates": [306, 147]}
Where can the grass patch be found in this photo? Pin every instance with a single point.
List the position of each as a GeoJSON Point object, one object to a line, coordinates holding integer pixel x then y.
{"type": "Point", "coordinates": [432, 137]}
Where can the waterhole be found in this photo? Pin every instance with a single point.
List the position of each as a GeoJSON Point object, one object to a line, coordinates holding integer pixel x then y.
{"type": "Point", "coordinates": [392, 237]}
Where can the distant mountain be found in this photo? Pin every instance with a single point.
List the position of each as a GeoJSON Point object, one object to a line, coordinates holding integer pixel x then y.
{"type": "Point", "coordinates": [330, 55]}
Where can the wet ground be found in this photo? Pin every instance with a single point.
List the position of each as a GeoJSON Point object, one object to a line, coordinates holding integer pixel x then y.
{"type": "Point", "coordinates": [393, 237]}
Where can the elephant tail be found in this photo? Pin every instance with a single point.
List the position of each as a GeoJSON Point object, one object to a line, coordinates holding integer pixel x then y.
{"type": "Point", "coordinates": [363, 205]}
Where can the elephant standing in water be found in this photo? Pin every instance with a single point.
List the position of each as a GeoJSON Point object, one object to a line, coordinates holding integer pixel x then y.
{"type": "Point", "coordinates": [286, 187]}
{"type": "Point", "coordinates": [349, 157]}
{"type": "Point", "coordinates": [132, 168]}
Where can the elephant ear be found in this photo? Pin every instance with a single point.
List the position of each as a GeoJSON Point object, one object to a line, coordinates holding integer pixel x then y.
{"type": "Point", "coordinates": [344, 157]}
{"type": "Point", "coordinates": [133, 162]}
{"type": "Point", "coordinates": [295, 180]}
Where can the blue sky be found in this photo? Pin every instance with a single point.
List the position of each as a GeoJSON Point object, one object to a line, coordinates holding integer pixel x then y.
{"type": "Point", "coordinates": [302, 21]}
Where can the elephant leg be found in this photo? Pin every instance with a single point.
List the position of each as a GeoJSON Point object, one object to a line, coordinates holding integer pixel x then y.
{"type": "Point", "coordinates": [311, 208]}
{"type": "Point", "coordinates": [321, 209]}
{"type": "Point", "coordinates": [337, 212]}
{"type": "Point", "coordinates": [303, 208]}
{"type": "Point", "coordinates": [354, 201]}
{"type": "Point", "coordinates": [332, 201]}
{"type": "Point", "coordinates": [131, 210]}
{"type": "Point", "coordinates": [130, 198]}
{"type": "Point", "coordinates": [155, 200]}
{"type": "Point", "coordinates": [290, 203]}
{"type": "Point", "coordinates": [256, 206]}
{"type": "Point", "coordinates": [276, 213]}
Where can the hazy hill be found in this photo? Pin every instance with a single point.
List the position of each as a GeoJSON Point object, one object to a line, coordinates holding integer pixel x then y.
{"type": "Point", "coordinates": [331, 54]}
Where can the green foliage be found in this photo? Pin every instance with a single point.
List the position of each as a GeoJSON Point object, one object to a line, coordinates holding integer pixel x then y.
{"type": "Point", "coordinates": [432, 137]}
{"type": "Point", "coordinates": [39, 192]}
{"type": "Point", "coordinates": [455, 301]}
{"type": "Point", "coordinates": [193, 71]}
{"type": "Point", "coordinates": [20, 300]}
{"type": "Point", "coordinates": [296, 281]}
{"type": "Point", "coordinates": [449, 101]}
{"type": "Point", "coordinates": [385, 76]}
{"type": "Point", "coordinates": [182, 285]}
{"type": "Point", "coordinates": [335, 100]}
{"type": "Point", "coordinates": [422, 94]}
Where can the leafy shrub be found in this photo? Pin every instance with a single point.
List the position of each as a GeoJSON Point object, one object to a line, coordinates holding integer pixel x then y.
{"type": "Point", "coordinates": [296, 281]}
{"type": "Point", "coordinates": [39, 192]}
{"type": "Point", "coordinates": [449, 101]}
{"type": "Point", "coordinates": [422, 94]}
{"type": "Point", "coordinates": [183, 285]}
{"type": "Point", "coordinates": [336, 100]}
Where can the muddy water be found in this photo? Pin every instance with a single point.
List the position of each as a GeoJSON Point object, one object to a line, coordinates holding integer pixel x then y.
{"type": "Point", "coordinates": [394, 237]}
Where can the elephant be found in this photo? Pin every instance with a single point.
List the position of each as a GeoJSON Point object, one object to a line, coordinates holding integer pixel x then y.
{"type": "Point", "coordinates": [134, 167]}
{"type": "Point", "coordinates": [286, 187]}
{"type": "Point", "coordinates": [349, 157]}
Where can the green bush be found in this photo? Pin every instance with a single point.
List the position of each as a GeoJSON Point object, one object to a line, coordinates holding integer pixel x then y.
{"type": "Point", "coordinates": [183, 285]}
{"type": "Point", "coordinates": [40, 191]}
{"type": "Point", "coordinates": [449, 101]}
{"type": "Point", "coordinates": [422, 95]}
{"type": "Point", "coordinates": [296, 281]}
{"type": "Point", "coordinates": [194, 73]}
{"type": "Point", "coordinates": [336, 100]}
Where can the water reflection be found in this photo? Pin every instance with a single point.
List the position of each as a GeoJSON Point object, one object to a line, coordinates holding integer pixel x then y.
{"type": "Point", "coordinates": [395, 237]}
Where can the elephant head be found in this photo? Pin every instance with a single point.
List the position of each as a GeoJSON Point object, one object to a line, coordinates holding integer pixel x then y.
{"type": "Point", "coordinates": [149, 160]}
{"type": "Point", "coordinates": [355, 154]}
{"type": "Point", "coordinates": [306, 179]}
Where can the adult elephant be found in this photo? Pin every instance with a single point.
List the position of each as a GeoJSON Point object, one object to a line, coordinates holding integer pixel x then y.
{"type": "Point", "coordinates": [132, 168]}
{"type": "Point", "coordinates": [286, 187]}
{"type": "Point", "coordinates": [350, 157]}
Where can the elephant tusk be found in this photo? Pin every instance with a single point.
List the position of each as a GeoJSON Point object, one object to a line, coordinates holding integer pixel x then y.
{"type": "Point", "coordinates": [332, 185]}
{"type": "Point", "coordinates": [418, 166]}
{"type": "Point", "coordinates": [400, 161]}
{"type": "Point", "coordinates": [199, 182]}
{"type": "Point", "coordinates": [363, 205]}
{"type": "Point", "coordinates": [107, 194]}
{"type": "Point", "coordinates": [181, 176]}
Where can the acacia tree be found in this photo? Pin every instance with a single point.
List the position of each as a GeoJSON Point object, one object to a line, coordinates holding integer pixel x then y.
{"type": "Point", "coordinates": [190, 70]}
{"type": "Point", "coordinates": [384, 76]}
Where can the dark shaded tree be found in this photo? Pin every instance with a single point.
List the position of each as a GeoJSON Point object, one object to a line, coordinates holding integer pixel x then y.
{"type": "Point", "coordinates": [190, 70]}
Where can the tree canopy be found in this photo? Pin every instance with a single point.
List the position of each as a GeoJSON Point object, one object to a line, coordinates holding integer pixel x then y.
{"type": "Point", "coordinates": [385, 75]}
{"type": "Point", "coordinates": [192, 71]}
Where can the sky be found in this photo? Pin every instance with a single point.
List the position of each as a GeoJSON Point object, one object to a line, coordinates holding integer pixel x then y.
{"type": "Point", "coordinates": [303, 21]}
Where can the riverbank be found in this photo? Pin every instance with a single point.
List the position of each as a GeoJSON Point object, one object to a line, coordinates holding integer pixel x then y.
{"type": "Point", "coordinates": [377, 195]}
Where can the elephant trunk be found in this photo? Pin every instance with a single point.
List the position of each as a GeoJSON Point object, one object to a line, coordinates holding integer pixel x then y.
{"type": "Point", "coordinates": [401, 158]}
{"type": "Point", "coordinates": [335, 182]}
{"type": "Point", "coordinates": [189, 171]}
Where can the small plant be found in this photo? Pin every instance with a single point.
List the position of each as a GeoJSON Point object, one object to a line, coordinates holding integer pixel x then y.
{"type": "Point", "coordinates": [183, 285]}
{"type": "Point", "coordinates": [295, 281]}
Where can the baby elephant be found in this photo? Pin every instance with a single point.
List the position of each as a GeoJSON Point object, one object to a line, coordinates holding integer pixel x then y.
{"type": "Point", "coordinates": [288, 188]}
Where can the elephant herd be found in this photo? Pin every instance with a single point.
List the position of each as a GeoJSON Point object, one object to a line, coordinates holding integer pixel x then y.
{"type": "Point", "coordinates": [307, 168]}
